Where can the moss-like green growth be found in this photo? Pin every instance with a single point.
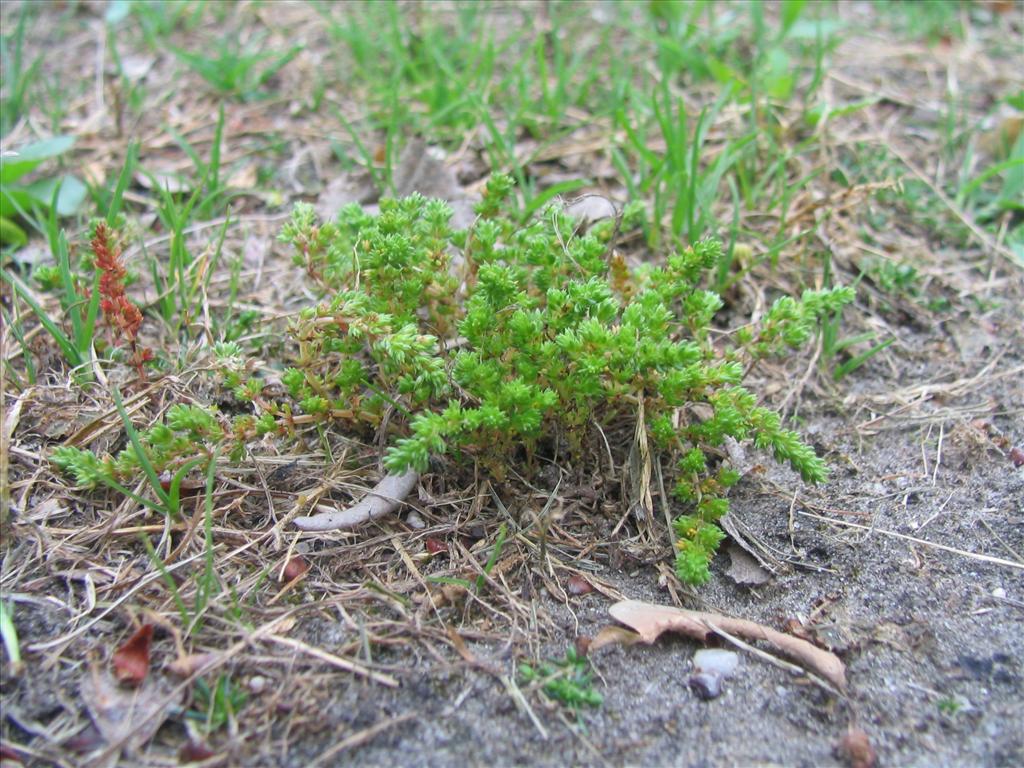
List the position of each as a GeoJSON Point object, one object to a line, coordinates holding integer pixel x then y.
{"type": "Point", "coordinates": [502, 336]}
{"type": "Point", "coordinates": [509, 333]}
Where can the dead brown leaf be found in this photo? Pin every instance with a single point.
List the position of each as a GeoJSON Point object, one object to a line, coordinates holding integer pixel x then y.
{"type": "Point", "coordinates": [460, 646]}
{"type": "Point", "coordinates": [613, 636]}
{"type": "Point", "coordinates": [577, 585]}
{"type": "Point", "coordinates": [131, 660]}
{"type": "Point", "coordinates": [195, 752]}
{"type": "Point", "coordinates": [436, 546]}
{"type": "Point", "coordinates": [651, 621]}
{"type": "Point", "coordinates": [295, 567]}
{"type": "Point", "coordinates": [583, 645]}
{"type": "Point", "coordinates": [855, 749]}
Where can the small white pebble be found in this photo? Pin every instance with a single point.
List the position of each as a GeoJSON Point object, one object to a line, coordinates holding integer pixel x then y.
{"type": "Point", "coordinates": [414, 521]}
{"type": "Point", "coordinates": [257, 684]}
{"type": "Point", "coordinates": [716, 661]}
{"type": "Point", "coordinates": [999, 592]}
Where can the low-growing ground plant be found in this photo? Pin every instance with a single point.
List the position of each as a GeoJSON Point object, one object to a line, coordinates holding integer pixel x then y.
{"type": "Point", "coordinates": [566, 680]}
{"type": "Point", "coordinates": [502, 343]}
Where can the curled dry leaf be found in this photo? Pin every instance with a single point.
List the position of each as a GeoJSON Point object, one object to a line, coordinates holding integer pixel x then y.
{"type": "Point", "coordinates": [436, 546]}
{"type": "Point", "coordinates": [185, 487]}
{"type": "Point", "coordinates": [744, 569]}
{"type": "Point", "coordinates": [855, 749]}
{"type": "Point", "coordinates": [460, 646]}
{"type": "Point", "coordinates": [650, 621]}
{"type": "Point", "coordinates": [796, 628]}
{"type": "Point", "coordinates": [614, 636]}
{"type": "Point", "coordinates": [131, 660]}
{"type": "Point", "coordinates": [583, 645]}
{"type": "Point", "coordinates": [591, 208]}
{"type": "Point", "coordinates": [1017, 457]}
{"type": "Point", "coordinates": [294, 568]}
{"type": "Point", "coordinates": [194, 752]}
{"type": "Point", "coordinates": [577, 585]}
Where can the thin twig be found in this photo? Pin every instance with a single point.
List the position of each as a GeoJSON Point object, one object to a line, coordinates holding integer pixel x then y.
{"type": "Point", "coordinates": [359, 738]}
{"type": "Point", "coordinates": [773, 660]}
{"type": "Point", "coordinates": [330, 658]}
{"type": "Point", "coordinates": [923, 542]}
{"type": "Point", "coordinates": [523, 704]}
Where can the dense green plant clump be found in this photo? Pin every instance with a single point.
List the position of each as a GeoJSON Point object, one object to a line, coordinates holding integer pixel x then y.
{"type": "Point", "coordinates": [507, 334]}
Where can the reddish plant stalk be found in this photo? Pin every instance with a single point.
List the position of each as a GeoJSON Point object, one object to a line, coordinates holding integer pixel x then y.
{"type": "Point", "coordinates": [119, 313]}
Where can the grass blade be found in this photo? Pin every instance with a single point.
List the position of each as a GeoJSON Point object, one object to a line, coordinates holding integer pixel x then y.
{"type": "Point", "coordinates": [140, 453]}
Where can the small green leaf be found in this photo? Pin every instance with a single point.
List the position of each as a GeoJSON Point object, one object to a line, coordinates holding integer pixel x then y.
{"type": "Point", "coordinates": [26, 159]}
{"type": "Point", "coordinates": [551, 192]}
{"type": "Point", "coordinates": [814, 115]}
{"type": "Point", "coordinates": [70, 198]}
{"type": "Point", "coordinates": [11, 233]}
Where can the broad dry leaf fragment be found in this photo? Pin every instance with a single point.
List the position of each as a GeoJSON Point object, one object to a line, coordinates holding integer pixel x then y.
{"type": "Point", "coordinates": [422, 168]}
{"type": "Point", "coordinates": [124, 717]}
{"type": "Point", "coordinates": [131, 660]}
{"type": "Point", "coordinates": [295, 567]}
{"type": "Point", "coordinates": [343, 190]}
{"type": "Point", "coordinates": [591, 208]}
{"type": "Point", "coordinates": [855, 749]}
{"type": "Point", "coordinates": [577, 585]}
{"type": "Point", "coordinates": [613, 636]}
{"type": "Point", "coordinates": [649, 621]}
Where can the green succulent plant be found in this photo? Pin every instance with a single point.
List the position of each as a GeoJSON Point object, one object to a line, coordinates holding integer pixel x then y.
{"type": "Point", "coordinates": [502, 340]}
